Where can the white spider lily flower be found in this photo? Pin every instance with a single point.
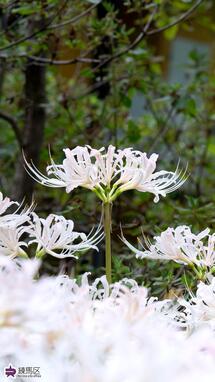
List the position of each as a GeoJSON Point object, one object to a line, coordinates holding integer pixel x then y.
{"type": "Point", "coordinates": [12, 228]}
{"type": "Point", "coordinates": [179, 245]}
{"type": "Point", "coordinates": [17, 218]}
{"type": "Point", "coordinates": [201, 307]}
{"type": "Point", "coordinates": [76, 170]}
{"type": "Point", "coordinates": [207, 252]}
{"type": "Point", "coordinates": [109, 173]}
{"type": "Point", "coordinates": [11, 243]}
{"type": "Point", "coordinates": [138, 173]}
{"type": "Point", "coordinates": [56, 236]}
{"type": "Point", "coordinates": [5, 203]}
{"type": "Point", "coordinates": [109, 164]}
{"type": "Point", "coordinates": [82, 166]}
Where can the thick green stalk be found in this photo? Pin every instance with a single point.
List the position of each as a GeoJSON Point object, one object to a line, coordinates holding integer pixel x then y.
{"type": "Point", "coordinates": [107, 229]}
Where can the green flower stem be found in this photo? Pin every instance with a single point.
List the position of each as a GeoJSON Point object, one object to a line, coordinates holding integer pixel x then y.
{"type": "Point", "coordinates": [198, 272]}
{"type": "Point", "coordinates": [22, 254]}
{"type": "Point", "coordinates": [100, 193]}
{"type": "Point", "coordinates": [107, 229]}
{"type": "Point", "coordinates": [40, 254]}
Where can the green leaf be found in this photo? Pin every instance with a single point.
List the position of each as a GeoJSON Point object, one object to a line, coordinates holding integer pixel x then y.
{"type": "Point", "coordinates": [87, 72]}
{"type": "Point", "coordinates": [126, 100]}
{"type": "Point", "coordinates": [171, 32]}
{"type": "Point", "coordinates": [133, 131]}
{"type": "Point", "coordinates": [191, 107]}
{"type": "Point", "coordinates": [211, 148]}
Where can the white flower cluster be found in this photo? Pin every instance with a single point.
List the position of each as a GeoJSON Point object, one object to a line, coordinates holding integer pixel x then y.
{"type": "Point", "coordinates": [182, 246]}
{"type": "Point", "coordinates": [109, 173]}
{"type": "Point", "coordinates": [200, 310]}
{"type": "Point", "coordinates": [54, 235]}
{"type": "Point", "coordinates": [103, 332]}
{"type": "Point", "coordinates": [100, 333]}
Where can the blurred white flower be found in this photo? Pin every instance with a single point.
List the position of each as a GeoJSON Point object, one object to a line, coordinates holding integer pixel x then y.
{"type": "Point", "coordinates": [178, 244]}
{"type": "Point", "coordinates": [109, 173]}
{"type": "Point", "coordinates": [13, 227]}
{"type": "Point", "coordinates": [56, 236]}
{"type": "Point", "coordinates": [202, 305]}
{"type": "Point", "coordinates": [11, 243]}
{"type": "Point", "coordinates": [85, 332]}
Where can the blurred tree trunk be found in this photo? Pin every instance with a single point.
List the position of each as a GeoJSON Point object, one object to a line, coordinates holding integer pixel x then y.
{"type": "Point", "coordinates": [3, 26]}
{"type": "Point", "coordinates": [2, 74]}
{"type": "Point", "coordinates": [104, 49]}
{"type": "Point", "coordinates": [33, 131]}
